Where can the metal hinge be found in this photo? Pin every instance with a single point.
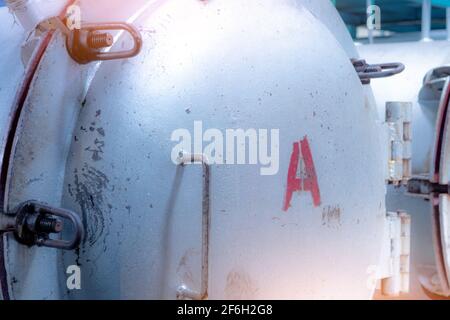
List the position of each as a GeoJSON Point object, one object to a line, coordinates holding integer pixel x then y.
{"type": "Point", "coordinates": [33, 222]}
{"type": "Point", "coordinates": [394, 270]}
{"type": "Point", "coordinates": [366, 71]}
{"type": "Point", "coordinates": [86, 44]}
{"type": "Point", "coordinates": [398, 119]}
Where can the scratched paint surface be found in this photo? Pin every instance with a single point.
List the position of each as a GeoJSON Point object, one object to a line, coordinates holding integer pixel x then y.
{"type": "Point", "coordinates": [194, 59]}
{"type": "Point", "coordinates": [37, 170]}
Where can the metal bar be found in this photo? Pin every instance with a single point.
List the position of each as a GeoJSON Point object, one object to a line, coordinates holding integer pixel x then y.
{"type": "Point", "coordinates": [183, 291]}
{"type": "Point", "coordinates": [426, 20]}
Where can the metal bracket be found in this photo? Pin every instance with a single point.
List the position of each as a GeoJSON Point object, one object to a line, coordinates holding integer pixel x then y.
{"type": "Point", "coordinates": [86, 44]}
{"type": "Point", "coordinates": [366, 71]}
{"type": "Point", "coordinates": [34, 222]}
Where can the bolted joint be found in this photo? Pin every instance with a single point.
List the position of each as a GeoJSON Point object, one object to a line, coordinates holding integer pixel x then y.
{"type": "Point", "coordinates": [49, 225]}
{"type": "Point", "coordinates": [97, 40]}
{"type": "Point", "coordinates": [35, 222]}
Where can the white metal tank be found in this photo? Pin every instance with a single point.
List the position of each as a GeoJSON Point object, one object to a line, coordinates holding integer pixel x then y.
{"type": "Point", "coordinates": [11, 68]}
{"type": "Point", "coordinates": [424, 84]}
{"type": "Point", "coordinates": [304, 218]}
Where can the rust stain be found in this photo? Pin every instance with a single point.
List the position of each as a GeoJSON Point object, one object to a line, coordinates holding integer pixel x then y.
{"type": "Point", "coordinates": [184, 269]}
{"type": "Point", "coordinates": [240, 286]}
{"type": "Point", "coordinates": [331, 216]}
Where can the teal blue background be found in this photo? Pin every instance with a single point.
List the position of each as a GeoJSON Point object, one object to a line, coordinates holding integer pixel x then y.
{"type": "Point", "coordinates": [396, 15]}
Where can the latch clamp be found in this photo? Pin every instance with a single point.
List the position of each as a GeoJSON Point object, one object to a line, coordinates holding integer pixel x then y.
{"type": "Point", "coordinates": [366, 71]}
{"type": "Point", "coordinates": [33, 223]}
{"type": "Point", "coordinates": [86, 44]}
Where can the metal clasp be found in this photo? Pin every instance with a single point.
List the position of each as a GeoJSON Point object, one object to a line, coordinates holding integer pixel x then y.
{"type": "Point", "coordinates": [366, 71]}
{"type": "Point", "coordinates": [34, 222]}
{"type": "Point", "coordinates": [85, 45]}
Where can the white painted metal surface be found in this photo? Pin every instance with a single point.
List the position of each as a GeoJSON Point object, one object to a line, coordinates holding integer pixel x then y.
{"type": "Point", "coordinates": [11, 36]}
{"type": "Point", "coordinates": [11, 69]}
{"type": "Point", "coordinates": [37, 273]}
{"type": "Point", "coordinates": [30, 13]}
{"type": "Point", "coordinates": [256, 249]}
{"type": "Point", "coordinates": [45, 154]}
{"type": "Point", "coordinates": [106, 155]}
{"type": "Point", "coordinates": [330, 17]}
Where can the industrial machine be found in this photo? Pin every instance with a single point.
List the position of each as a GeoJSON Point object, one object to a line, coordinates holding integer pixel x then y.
{"type": "Point", "coordinates": [187, 149]}
{"type": "Point", "coordinates": [425, 84]}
